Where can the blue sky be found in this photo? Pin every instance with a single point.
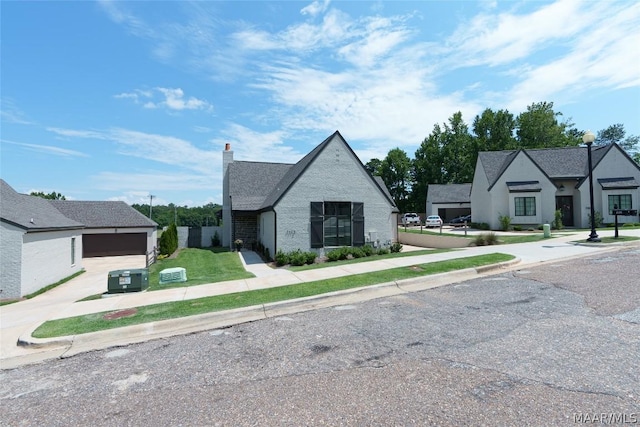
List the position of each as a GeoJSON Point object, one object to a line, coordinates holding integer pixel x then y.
{"type": "Point", "coordinates": [119, 100]}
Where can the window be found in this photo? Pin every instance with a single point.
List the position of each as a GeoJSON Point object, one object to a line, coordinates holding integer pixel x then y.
{"type": "Point", "coordinates": [525, 206]}
{"type": "Point", "coordinates": [623, 201]}
{"type": "Point", "coordinates": [337, 224]}
{"type": "Point", "coordinates": [73, 251]}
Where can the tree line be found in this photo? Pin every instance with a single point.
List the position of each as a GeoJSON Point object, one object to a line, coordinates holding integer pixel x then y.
{"type": "Point", "coordinates": [198, 216]}
{"type": "Point", "coordinates": [449, 153]}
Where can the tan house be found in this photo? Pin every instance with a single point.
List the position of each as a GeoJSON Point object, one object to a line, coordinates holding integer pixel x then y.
{"type": "Point", "coordinates": [530, 185]}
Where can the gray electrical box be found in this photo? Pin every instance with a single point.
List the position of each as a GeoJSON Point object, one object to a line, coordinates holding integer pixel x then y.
{"type": "Point", "coordinates": [121, 281]}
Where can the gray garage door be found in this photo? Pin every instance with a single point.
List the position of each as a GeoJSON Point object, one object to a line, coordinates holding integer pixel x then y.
{"type": "Point", "coordinates": [94, 245]}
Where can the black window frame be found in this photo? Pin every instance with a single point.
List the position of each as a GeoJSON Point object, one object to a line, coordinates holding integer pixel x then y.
{"type": "Point", "coordinates": [524, 207]}
{"type": "Point", "coordinates": [618, 202]}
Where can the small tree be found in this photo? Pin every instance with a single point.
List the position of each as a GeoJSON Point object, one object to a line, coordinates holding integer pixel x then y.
{"type": "Point", "coordinates": [215, 240]}
{"type": "Point", "coordinates": [169, 240]}
{"type": "Point", "coordinates": [557, 221]}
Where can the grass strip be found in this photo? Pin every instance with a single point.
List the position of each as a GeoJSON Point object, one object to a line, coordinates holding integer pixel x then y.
{"type": "Point", "coordinates": [151, 313]}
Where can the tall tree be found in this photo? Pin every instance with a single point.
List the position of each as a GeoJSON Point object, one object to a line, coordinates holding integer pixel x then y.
{"type": "Point", "coordinates": [374, 166]}
{"type": "Point", "coordinates": [539, 127]}
{"type": "Point", "coordinates": [457, 151]}
{"type": "Point", "coordinates": [494, 130]}
{"type": "Point", "coordinates": [395, 172]}
{"type": "Point", "coordinates": [51, 196]}
{"type": "Point", "coordinates": [616, 133]}
{"type": "Point", "coordinates": [426, 169]}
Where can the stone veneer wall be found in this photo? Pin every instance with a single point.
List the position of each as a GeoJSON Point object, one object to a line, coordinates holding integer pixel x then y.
{"type": "Point", "coordinates": [245, 228]}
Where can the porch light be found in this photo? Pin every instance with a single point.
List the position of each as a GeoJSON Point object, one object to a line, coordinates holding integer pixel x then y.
{"type": "Point", "coordinates": [588, 139]}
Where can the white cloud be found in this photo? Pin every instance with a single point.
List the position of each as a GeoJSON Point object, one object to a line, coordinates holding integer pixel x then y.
{"type": "Point", "coordinates": [251, 145]}
{"type": "Point", "coordinates": [47, 149]}
{"type": "Point", "coordinates": [12, 114]}
{"type": "Point", "coordinates": [315, 8]}
{"type": "Point", "coordinates": [174, 99]}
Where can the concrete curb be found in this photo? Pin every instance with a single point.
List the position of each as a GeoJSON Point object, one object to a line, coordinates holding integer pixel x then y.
{"type": "Point", "coordinates": [76, 344]}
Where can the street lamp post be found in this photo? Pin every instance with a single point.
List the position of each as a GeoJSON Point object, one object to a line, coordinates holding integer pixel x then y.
{"type": "Point", "coordinates": [588, 139]}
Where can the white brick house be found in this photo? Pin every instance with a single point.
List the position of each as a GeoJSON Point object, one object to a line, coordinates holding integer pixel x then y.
{"type": "Point", "coordinates": [326, 200]}
{"type": "Point", "coordinates": [530, 185]}
{"type": "Point", "coordinates": [39, 245]}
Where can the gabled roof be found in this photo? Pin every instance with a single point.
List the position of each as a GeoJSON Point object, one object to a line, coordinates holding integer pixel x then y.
{"type": "Point", "coordinates": [618, 183]}
{"type": "Point", "coordinates": [255, 186]}
{"type": "Point", "coordinates": [554, 163]}
{"type": "Point", "coordinates": [449, 193]}
{"type": "Point", "coordinates": [102, 214]}
{"type": "Point", "coordinates": [32, 213]}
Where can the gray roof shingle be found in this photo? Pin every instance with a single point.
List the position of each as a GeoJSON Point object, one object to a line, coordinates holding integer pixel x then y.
{"type": "Point", "coordinates": [618, 183]}
{"type": "Point", "coordinates": [449, 193]}
{"type": "Point", "coordinates": [32, 213]}
{"type": "Point", "coordinates": [102, 214]}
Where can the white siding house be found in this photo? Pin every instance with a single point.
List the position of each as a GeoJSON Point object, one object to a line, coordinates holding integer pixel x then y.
{"type": "Point", "coordinates": [326, 200]}
{"type": "Point", "coordinates": [530, 185]}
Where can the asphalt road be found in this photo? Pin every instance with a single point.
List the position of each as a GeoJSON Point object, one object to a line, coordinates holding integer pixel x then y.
{"type": "Point", "coordinates": [551, 345]}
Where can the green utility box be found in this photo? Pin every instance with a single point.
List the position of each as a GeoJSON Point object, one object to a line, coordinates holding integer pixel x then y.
{"type": "Point", "coordinates": [121, 281]}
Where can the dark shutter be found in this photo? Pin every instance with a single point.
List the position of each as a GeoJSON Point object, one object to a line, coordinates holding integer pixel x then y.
{"type": "Point", "coordinates": [358, 224]}
{"type": "Point", "coordinates": [317, 223]}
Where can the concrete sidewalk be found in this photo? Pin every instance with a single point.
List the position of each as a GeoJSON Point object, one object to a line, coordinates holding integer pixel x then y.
{"type": "Point", "coordinates": [19, 320]}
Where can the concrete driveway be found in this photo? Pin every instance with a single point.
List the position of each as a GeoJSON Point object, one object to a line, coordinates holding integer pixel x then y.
{"type": "Point", "coordinates": [17, 318]}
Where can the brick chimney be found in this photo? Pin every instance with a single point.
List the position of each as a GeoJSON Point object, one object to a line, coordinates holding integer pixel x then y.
{"type": "Point", "coordinates": [227, 159]}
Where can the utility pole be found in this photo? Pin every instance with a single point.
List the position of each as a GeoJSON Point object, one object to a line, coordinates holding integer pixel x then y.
{"type": "Point", "coordinates": [151, 196]}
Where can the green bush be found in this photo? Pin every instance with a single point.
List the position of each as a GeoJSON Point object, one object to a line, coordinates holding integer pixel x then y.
{"type": "Point", "coordinates": [297, 257]}
{"type": "Point", "coordinates": [517, 228]}
{"type": "Point", "coordinates": [334, 255]}
{"type": "Point", "coordinates": [357, 253]}
{"type": "Point", "coordinates": [215, 240]}
{"type": "Point", "coordinates": [598, 218]}
{"type": "Point", "coordinates": [368, 250]}
{"type": "Point", "coordinates": [169, 240]}
{"type": "Point", "coordinates": [281, 258]}
{"type": "Point", "coordinates": [557, 220]}
{"type": "Point", "coordinates": [396, 247]}
{"type": "Point", "coordinates": [310, 257]}
{"type": "Point", "coordinates": [505, 222]}
{"type": "Point", "coordinates": [383, 251]}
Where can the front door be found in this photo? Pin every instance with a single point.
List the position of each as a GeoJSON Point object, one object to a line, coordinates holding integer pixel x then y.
{"type": "Point", "coordinates": [565, 205]}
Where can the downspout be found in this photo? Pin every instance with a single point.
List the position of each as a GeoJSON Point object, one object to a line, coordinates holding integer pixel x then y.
{"type": "Point", "coordinates": [275, 233]}
{"type": "Point", "coordinates": [232, 226]}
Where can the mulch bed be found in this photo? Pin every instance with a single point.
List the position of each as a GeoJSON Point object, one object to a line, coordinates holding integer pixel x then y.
{"type": "Point", "coordinates": [120, 314]}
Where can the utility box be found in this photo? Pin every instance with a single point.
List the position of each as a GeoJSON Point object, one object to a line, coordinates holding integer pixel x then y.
{"type": "Point", "coordinates": [173, 275]}
{"type": "Point", "coordinates": [121, 281]}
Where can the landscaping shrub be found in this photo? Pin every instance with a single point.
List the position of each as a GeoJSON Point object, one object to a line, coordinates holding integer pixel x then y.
{"type": "Point", "coordinates": [490, 238]}
{"type": "Point", "coordinates": [169, 240]}
{"type": "Point", "coordinates": [598, 219]}
{"type": "Point", "coordinates": [383, 251]}
{"type": "Point", "coordinates": [334, 255]}
{"type": "Point", "coordinates": [215, 240]}
{"type": "Point", "coordinates": [557, 220]}
{"type": "Point", "coordinates": [517, 228]}
{"type": "Point", "coordinates": [357, 253]}
{"type": "Point", "coordinates": [281, 258]}
{"type": "Point", "coordinates": [505, 222]}
{"type": "Point", "coordinates": [396, 247]}
{"type": "Point", "coordinates": [368, 250]}
{"type": "Point", "coordinates": [479, 240]}
{"type": "Point", "coordinates": [310, 257]}
{"type": "Point", "coordinates": [297, 257]}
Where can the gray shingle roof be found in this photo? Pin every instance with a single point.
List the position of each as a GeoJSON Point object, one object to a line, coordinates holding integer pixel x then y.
{"type": "Point", "coordinates": [102, 214]}
{"type": "Point", "coordinates": [32, 213]}
{"type": "Point", "coordinates": [555, 163]}
{"type": "Point", "coordinates": [449, 193]}
{"type": "Point", "coordinates": [255, 186]}
{"type": "Point", "coordinates": [524, 186]}
{"type": "Point", "coordinates": [252, 182]}
{"type": "Point", "coordinates": [618, 183]}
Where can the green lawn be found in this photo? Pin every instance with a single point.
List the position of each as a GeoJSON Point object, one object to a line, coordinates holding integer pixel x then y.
{"type": "Point", "coordinates": [171, 310]}
{"type": "Point", "coordinates": [610, 239]}
{"type": "Point", "coordinates": [207, 265]}
{"type": "Point", "coordinates": [525, 237]}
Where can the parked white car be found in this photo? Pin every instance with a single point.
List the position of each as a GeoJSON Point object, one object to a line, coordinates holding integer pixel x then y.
{"type": "Point", "coordinates": [433, 221]}
{"type": "Point", "coordinates": [410, 219]}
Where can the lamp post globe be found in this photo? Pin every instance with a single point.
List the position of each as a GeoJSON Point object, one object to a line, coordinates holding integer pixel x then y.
{"type": "Point", "coordinates": [588, 139]}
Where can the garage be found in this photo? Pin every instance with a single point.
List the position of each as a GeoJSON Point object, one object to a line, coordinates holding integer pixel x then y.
{"type": "Point", "coordinates": [96, 245]}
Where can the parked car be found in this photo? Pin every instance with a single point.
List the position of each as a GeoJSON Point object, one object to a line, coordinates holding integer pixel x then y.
{"type": "Point", "coordinates": [433, 221]}
{"type": "Point", "coordinates": [461, 220]}
{"type": "Point", "coordinates": [410, 219]}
